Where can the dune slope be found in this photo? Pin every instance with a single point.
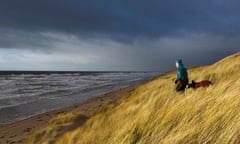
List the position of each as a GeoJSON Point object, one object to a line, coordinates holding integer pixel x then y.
{"type": "Point", "coordinates": [155, 113]}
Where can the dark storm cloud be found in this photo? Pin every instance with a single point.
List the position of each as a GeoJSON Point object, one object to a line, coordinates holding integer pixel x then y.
{"type": "Point", "coordinates": [146, 18]}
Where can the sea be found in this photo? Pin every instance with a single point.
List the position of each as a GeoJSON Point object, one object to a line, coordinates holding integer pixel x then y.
{"type": "Point", "coordinates": [25, 94]}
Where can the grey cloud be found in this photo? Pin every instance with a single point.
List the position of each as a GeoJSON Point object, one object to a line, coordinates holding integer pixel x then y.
{"type": "Point", "coordinates": [22, 40]}
{"type": "Point", "coordinates": [125, 18]}
{"type": "Point", "coordinates": [118, 35]}
{"type": "Point", "coordinates": [103, 53]}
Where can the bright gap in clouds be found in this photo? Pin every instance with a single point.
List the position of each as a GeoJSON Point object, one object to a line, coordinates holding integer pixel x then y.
{"type": "Point", "coordinates": [25, 59]}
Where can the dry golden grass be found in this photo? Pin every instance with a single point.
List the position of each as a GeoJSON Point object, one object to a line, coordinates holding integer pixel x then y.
{"type": "Point", "coordinates": [154, 113]}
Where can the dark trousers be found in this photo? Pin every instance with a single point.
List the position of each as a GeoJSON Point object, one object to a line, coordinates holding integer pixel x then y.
{"type": "Point", "coordinates": [180, 87]}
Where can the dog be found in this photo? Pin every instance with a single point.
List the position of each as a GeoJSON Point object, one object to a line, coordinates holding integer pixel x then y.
{"type": "Point", "coordinates": [196, 85]}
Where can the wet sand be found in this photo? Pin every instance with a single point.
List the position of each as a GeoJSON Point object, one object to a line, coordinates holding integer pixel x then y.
{"type": "Point", "coordinates": [17, 132]}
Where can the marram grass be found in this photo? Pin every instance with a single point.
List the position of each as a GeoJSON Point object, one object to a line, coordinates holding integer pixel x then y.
{"type": "Point", "coordinates": [155, 114]}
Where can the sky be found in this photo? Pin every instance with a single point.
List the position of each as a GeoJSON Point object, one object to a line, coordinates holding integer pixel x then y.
{"type": "Point", "coordinates": [116, 35]}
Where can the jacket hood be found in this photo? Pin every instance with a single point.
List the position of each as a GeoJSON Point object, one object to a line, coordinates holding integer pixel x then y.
{"type": "Point", "coordinates": [179, 61]}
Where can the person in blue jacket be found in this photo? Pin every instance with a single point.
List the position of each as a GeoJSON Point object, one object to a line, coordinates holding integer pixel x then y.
{"type": "Point", "coordinates": [182, 76]}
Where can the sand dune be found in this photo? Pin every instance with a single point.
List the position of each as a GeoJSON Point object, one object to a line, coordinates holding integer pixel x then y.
{"type": "Point", "coordinates": [151, 113]}
{"type": "Point", "coordinates": [18, 132]}
{"type": "Point", "coordinates": [154, 113]}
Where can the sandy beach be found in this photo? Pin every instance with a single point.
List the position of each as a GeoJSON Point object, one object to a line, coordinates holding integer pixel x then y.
{"type": "Point", "coordinates": [17, 132]}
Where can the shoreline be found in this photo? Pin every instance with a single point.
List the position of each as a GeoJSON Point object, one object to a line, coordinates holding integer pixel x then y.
{"type": "Point", "coordinates": [18, 131]}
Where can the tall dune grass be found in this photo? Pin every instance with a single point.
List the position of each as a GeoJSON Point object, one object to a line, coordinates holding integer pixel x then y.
{"type": "Point", "coordinates": [154, 113]}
